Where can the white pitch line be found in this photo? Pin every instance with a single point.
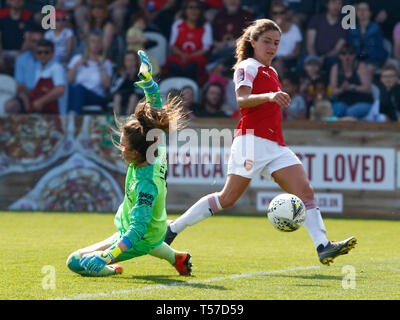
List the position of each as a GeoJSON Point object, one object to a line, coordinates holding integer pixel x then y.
{"type": "Point", "coordinates": [186, 283]}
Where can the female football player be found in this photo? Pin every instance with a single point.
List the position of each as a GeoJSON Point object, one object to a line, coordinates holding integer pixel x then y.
{"type": "Point", "coordinates": [260, 98]}
{"type": "Point", "coordinates": [141, 219]}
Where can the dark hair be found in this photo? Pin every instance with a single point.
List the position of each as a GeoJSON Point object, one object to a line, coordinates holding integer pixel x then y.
{"type": "Point", "coordinates": [136, 127]}
{"type": "Point", "coordinates": [205, 90]}
{"type": "Point", "coordinates": [244, 49]}
{"type": "Point", "coordinates": [202, 19]}
{"type": "Point", "coordinates": [293, 77]}
{"type": "Point", "coordinates": [137, 16]}
{"type": "Point", "coordinates": [45, 43]}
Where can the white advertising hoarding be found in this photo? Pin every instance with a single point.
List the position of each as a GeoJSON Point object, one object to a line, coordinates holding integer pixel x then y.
{"type": "Point", "coordinates": [338, 168]}
{"type": "Point", "coordinates": [327, 202]}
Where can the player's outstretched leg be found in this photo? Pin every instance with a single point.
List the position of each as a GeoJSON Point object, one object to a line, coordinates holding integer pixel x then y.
{"type": "Point", "coordinates": [335, 248]}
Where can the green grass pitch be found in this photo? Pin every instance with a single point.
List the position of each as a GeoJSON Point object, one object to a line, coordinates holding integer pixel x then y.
{"type": "Point", "coordinates": [235, 257]}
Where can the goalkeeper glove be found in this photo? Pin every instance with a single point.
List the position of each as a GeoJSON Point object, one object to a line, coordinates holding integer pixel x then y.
{"type": "Point", "coordinates": [97, 261]}
{"type": "Point", "coordinates": [145, 74]}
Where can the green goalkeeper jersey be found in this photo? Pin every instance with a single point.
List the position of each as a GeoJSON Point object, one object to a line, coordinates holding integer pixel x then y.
{"type": "Point", "coordinates": [142, 216]}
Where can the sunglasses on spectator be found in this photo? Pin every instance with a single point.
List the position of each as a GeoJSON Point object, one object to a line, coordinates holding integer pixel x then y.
{"type": "Point", "coordinates": [40, 52]}
{"type": "Point", "coordinates": [278, 13]}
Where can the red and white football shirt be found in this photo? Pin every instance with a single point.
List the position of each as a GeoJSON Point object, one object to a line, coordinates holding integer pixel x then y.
{"type": "Point", "coordinates": [191, 39]}
{"type": "Point", "coordinates": [265, 119]}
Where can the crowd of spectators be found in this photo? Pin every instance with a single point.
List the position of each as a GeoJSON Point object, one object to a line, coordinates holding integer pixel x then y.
{"type": "Point", "coordinates": [331, 72]}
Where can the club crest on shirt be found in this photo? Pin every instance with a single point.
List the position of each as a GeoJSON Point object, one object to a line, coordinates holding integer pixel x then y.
{"type": "Point", "coordinates": [240, 75]}
{"type": "Point", "coordinates": [248, 164]}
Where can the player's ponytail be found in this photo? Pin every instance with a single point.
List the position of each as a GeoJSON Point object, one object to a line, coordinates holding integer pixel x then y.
{"type": "Point", "coordinates": [138, 127]}
{"type": "Point", "coordinates": [244, 49]}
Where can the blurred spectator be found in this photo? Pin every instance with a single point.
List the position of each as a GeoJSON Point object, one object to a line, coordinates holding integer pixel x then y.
{"type": "Point", "coordinates": [217, 75]}
{"type": "Point", "coordinates": [26, 62]}
{"type": "Point", "coordinates": [212, 102]}
{"type": "Point", "coordinates": [290, 43]}
{"type": "Point", "coordinates": [76, 11]}
{"type": "Point", "coordinates": [297, 108]}
{"type": "Point", "coordinates": [118, 10]}
{"type": "Point", "coordinates": [212, 8]}
{"type": "Point", "coordinates": [25, 67]}
{"type": "Point", "coordinates": [89, 76]}
{"type": "Point", "coordinates": [367, 38]}
{"type": "Point", "coordinates": [310, 73]}
{"type": "Point", "coordinates": [125, 94]}
{"type": "Point", "coordinates": [15, 22]}
{"type": "Point", "coordinates": [135, 40]}
{"type": "Point", "coordinates": [321, 107]}
{"type": "Point", "coordinates": [396, 41]}
{"type": "Point", "coordinates": [191, 39]}
{"type": "Point", "coordinates": [300, 11]}
{"type": "Point", "coordinates": [389, 93]}
{"type": "Point", "coordinates": [325, 35]}
{"type": "Point", "coordinates": [228, 26]}
{"type": "Point", "coordinates": [385, 13]}
{"type": "Point", "coordinates": [256, 7]}
{"type": "Point", "coordinates": [188, 102]}
{"type": "Point", "coordinates": [350, 81]}
{"type": "Point", "coordinates": [50, 84]}
{"type": "Point", "coordinates": [160, 14]}
{"type": "Point", "coordinates": [62, 37]}
{"type": "Point", "coordinates": [99, 21]}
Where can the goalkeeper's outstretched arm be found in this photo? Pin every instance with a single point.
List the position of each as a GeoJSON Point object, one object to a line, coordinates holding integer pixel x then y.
{"type": "Point", "coordinates": [149, 86]}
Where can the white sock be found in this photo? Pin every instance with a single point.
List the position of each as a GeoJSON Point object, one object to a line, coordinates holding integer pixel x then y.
{"type": "Point", "coordinates": [315, 227]}
{"type": "Point", "coordinates": [201, 210]}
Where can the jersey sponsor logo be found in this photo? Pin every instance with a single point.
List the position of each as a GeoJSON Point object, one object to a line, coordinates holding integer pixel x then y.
{"type": "Point", "coordinates": [145, 198]}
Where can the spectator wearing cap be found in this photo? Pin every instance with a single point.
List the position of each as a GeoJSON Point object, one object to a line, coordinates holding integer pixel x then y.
{"type": "Point", "coordinates": [310, 73]}
{"type": "Point", "coordinates": [15, 23]}
{"type": "Point", "coordinates": [62, 37]}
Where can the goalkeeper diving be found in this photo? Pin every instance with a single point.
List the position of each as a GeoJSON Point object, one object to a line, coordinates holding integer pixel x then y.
{"type": "Point", "coordinates": [141, 220]}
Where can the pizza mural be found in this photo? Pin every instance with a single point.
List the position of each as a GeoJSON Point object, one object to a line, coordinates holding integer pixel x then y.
{"type": "Point", "coordinates": [76, 185]}
{"type": "Point", "coordinates": [71, 160]}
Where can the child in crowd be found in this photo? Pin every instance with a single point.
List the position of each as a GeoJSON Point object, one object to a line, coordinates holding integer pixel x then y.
{"type": "Point", "coordinates": [135, 40]}
{"type": "Point", "coordinates": [62, 37]}
{"type": "Point", "coordinates": [297, 109]}
{"type": "Point", "coordinates": [389, 93]}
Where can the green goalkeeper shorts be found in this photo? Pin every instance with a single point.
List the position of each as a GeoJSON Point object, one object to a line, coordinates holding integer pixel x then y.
{"type": "Point", "coordinates": [139, 248]}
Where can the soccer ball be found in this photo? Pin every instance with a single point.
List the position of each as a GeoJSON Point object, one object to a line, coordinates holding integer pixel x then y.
{"type": "Point", "coordinates": [286, 212]}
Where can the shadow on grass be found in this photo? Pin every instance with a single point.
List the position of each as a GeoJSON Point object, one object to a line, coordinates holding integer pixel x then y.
{"type": "Point", "coordinates": [171, 281]}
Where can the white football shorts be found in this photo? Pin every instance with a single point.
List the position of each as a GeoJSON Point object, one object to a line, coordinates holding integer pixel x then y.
{"type": "Point", "coordinates": [252, 156]}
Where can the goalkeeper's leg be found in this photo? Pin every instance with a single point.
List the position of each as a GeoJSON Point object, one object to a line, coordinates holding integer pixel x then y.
{"type": "Point", "coordinates": [180, 260]}
{"type": "Point", "coordinates": [73, 261]}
